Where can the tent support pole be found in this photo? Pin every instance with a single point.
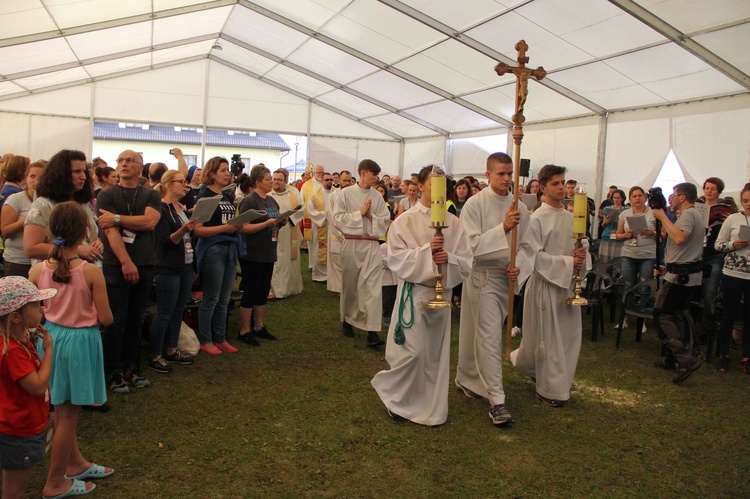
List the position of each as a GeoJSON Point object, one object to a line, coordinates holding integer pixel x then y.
{"type": "Point", "coordinates": [600, 155]}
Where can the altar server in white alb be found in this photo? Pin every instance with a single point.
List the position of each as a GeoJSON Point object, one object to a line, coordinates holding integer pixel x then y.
{"type": "Point", "coordinates": [318, 247]}
{"type": "Point", "coordinates": [287, 275]}
{"type": "Point", "coordinates": [360, 214]}
{"type": "Point", "coordinates": [335, 238]}
{"type": "Point", "coordinates": [418, 348]}
{"type": "Point", "coordinates": [488, 219]}
{"type": "Point", "coordinates": [551, 328]}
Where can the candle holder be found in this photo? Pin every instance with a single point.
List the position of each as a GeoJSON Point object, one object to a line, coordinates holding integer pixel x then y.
{"type": "Point", "coordinates": [438, 302]}
{"type": "Point", "coordinates": [580, 213]}
{"type": "Point", "coordinates": [578, 300]}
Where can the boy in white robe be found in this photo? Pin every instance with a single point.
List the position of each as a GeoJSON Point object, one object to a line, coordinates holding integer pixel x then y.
{"type": "Point", "coordinates": [318, 246]}
{"type": "Point", "coordinates": [551, 328]}
{"type": "Point", "coordinates": [335, 238]}
{"type": "Point", "coordinates": [416, 386]}
{"type": "Point", "coordinates": [488, 218]}
{"type": "Point", "coordinates": [360, 214]}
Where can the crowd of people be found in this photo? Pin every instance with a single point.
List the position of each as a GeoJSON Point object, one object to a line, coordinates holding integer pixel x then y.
{"type": "Point", "coordinates": [92, 242]}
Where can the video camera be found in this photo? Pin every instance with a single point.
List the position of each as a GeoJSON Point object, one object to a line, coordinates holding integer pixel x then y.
{"type": "Point", "coordinates": [237, 165]}
{"type": "Point", "coordinates": [656, 199]}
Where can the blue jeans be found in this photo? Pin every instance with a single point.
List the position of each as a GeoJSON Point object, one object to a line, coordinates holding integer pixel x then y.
{"type": "Point", "coordinates": [710, 288]}
{"type": "Point", "coordinates": [217, 280]}
{"type": "Point", "coordinates": [121, 340]}
{"type": "Point", "coordinates": [172, 294]}
{"type": "Point", "coordinates": [634, 269]}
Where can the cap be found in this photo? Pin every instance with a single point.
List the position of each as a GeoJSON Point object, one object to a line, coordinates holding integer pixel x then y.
{"type": "Point", "coordinates": [15, 292]}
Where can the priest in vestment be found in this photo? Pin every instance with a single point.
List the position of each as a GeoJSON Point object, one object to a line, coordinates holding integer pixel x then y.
{"type": "Point", "coordinates": [335, 238]}
{"type": "Point", "coordinates": [318, 247]}
{"type": "Point", "coordinates": [551, 328]}
{"type": "Point", "coordinates": [488, 218]}
{"type": "Point", "coordinates": [361, 216]}
{"type": "Point", "coordinates": [416, 385]}
{"type": "Point", "coordinates": [307, 190]}
{"type": "Point", "coordinates": [287, 275]}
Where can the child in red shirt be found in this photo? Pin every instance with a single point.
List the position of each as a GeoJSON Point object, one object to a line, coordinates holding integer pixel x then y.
{"type": "Point", "coordinates": [24, 382]}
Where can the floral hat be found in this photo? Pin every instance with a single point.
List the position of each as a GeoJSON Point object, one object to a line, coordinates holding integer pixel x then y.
{"type": "Point", "coordinates": [15, 292]}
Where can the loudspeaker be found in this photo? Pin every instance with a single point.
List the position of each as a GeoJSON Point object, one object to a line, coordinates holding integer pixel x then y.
{"type": "Point", "coordinates": [525, 167]}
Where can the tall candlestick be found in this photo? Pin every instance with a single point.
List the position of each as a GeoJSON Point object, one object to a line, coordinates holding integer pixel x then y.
{"type": "Point", "coordinates": [437, 195]}
{"type": "Point", "coordinates": [580, 209]}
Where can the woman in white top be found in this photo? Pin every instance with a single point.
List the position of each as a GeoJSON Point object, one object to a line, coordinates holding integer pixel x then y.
{"type": "Point", "coordinates": [410, 200]}
{"type": "Point", "coordinates": [735, 281]}
{"type": "Point", "coordinates": [13, 216]}
{"type": "Point", "coordinates": [639, 247]}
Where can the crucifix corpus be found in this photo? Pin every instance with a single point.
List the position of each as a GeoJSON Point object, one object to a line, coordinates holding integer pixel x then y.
{"type": "Point", "coordinates": [522, 74]}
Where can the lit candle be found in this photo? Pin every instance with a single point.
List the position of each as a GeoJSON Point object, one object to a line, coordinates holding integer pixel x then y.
{"type": "Point", "coordinates": [437, 197]}
{"type": "Point", "coordinates": [580, 209]}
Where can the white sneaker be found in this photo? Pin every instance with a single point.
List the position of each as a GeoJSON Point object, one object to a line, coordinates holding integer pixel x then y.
{"type": "Point", "coordinates": [643, 330]}
{"type": "Point", "coordinates": [625, 324]}
{"type": "Point", "coordinates": [515, 332]}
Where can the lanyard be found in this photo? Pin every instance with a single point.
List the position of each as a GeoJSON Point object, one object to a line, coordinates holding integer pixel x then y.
{"type": "Point", "coordinates": [131, 205]}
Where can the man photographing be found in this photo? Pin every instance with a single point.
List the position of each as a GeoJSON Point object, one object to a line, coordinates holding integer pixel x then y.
{"type": "Point", "coordinates": [684, 271]}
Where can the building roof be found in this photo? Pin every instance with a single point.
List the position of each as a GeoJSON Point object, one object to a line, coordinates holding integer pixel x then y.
{"type": "Point", "coordinates": [178, 135]}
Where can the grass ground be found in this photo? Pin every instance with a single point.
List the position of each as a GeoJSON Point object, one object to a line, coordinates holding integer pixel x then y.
{"type": "Point", "coordinates": [298, 417]}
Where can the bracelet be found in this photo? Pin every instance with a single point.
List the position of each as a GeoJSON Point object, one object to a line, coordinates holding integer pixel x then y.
{"type": "Point", "coordinates": [506, 229]}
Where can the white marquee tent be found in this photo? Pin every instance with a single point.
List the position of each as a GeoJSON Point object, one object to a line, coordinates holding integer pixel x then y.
{"type": "Point", "coordinates": [405, 82]}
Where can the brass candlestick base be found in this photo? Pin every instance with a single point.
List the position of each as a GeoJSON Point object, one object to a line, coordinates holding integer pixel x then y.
{"type": "Point", "coordinates": [578, 300]}
{"type": "Point", "coordinates": [439, 302]}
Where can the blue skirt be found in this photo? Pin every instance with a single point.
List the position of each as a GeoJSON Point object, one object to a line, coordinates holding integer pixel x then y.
{"type": "Point", "coordinates": [77, 365]}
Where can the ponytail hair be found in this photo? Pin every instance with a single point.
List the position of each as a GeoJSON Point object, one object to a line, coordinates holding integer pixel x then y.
{"type": "Point", "coordinates": [68, 224]}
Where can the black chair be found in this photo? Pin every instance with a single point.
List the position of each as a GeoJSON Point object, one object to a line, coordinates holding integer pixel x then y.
{"type": "Point", "coordinates": [642, 306]}
{"type": "Point", "coordinates": [595, 286]}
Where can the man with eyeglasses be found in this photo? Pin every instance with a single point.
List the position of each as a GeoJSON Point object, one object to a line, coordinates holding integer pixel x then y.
{"type": "Point", "coordinates": [684, 272]}
{"type": "Point", "coordinates": [128, 214]}
{"type": "Point", "coordinates": [316, 208]}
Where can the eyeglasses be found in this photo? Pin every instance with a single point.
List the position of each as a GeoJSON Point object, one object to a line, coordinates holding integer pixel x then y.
{"type": "Point", "coordinates": [179, 181]}
{"type": "Point", "coordinates": [127, 161]}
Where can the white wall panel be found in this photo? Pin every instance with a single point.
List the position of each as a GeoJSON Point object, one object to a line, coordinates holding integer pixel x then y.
{"type": "Point", "coordinates": [73, 101]}
{"type": "Point", "coordinates": [338, 154]}
{"type": "Point", "coordinates": [636, 150]}
{"type": "Point", "coordinates": [167, 95]}
{"type": "Point", "coordinates": [422, 152]}
{"type": "Point", "coordinates": [240, 101]}
{"type": "Point", "coordinates": [39, 137]}
{"type": "Point", "coordinates": [325, 122]}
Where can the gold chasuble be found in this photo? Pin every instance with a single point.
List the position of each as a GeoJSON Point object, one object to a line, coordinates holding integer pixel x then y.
{"type": "Point", "coordinates": [322, 232]}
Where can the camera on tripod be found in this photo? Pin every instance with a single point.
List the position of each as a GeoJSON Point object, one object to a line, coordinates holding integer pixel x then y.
{"type": "Point", "coordinates": [237, 165]}
{"type": "Point", "coordinates": [656, 199]}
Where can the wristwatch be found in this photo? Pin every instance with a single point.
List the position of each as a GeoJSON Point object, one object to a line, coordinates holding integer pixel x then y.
{"type": "Point", "coordinates": [117, 219]}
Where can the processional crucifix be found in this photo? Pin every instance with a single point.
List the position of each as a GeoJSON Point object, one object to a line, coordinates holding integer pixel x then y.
{"type": "Point", "coordinates": [522, 81]}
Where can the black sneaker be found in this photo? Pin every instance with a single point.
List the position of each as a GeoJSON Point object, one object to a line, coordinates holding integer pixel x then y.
{"type": "Point", "coordinates": [160, 365]}
{"type": "Point", "coordinates": [373, 340]}
{"type": "Point", "coordinates": [263, 334]}
{"type": "Point", "coordinates": [550, 402]}
{"type": "Point", "coordinates": [179, 357]}
{"type": "Point", "coordinates": [395, 417]}
{"type": "Point", "coordinates": [684, 372]}
{"type": "Point", "coordinates": [248, 339]}
{"type": "Point", "coordinates": [117, 383]}
{"type": "Point", "coordinates": [500, 415]}
{"type": "Point", "coordinates": [347, 330]}
{"type": "Point", "coordinates": [466, 391]}
{"type": "Point", "coordinates": [134, 378]}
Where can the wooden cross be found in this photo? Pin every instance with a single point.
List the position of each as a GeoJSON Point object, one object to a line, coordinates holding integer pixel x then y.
{"type": "Point", "coordinates": [522, 82]}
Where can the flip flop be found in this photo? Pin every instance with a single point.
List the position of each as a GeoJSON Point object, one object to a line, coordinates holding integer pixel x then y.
{"type": "Point", "coordinates": [77, 489]}
{"type": "Point", "coordinates": [94, 472]}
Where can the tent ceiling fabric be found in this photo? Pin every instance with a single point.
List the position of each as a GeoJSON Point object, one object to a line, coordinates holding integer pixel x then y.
{"type": "Point", "coordinates": [413, 68]}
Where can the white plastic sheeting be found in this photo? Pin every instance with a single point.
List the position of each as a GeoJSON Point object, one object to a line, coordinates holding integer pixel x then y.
{"type": "Point", "coordinates": [337, 154]}
{"type": "Point", "coordinates": [38, 136]}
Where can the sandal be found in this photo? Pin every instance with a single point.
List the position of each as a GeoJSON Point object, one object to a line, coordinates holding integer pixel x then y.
{"type": "Point", "coordinates": [95, 471]}
{"type": "Point", "coordinates": [78, 488]}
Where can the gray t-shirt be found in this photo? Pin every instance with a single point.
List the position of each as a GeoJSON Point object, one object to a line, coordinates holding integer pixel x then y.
{"type": "Point", "coordinates": [14, 244]}
{"type": "Point", "coordinates": [690, 222]}
{"type": "Point", "coordinates": [39, 215]}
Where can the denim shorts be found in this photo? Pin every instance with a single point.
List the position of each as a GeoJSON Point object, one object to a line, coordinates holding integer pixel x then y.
{"type": "Point", "coordinates": [17, 453]}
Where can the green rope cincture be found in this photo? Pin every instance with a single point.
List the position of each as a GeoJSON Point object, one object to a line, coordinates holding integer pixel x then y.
{"type": "Point", "coordinates": [406, 295]}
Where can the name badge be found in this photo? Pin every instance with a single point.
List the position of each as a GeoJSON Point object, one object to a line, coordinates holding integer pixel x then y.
{"type": "Point", "coordinates": [128, 237]}
{"type": "Point", "coordinates": [188, 245]}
